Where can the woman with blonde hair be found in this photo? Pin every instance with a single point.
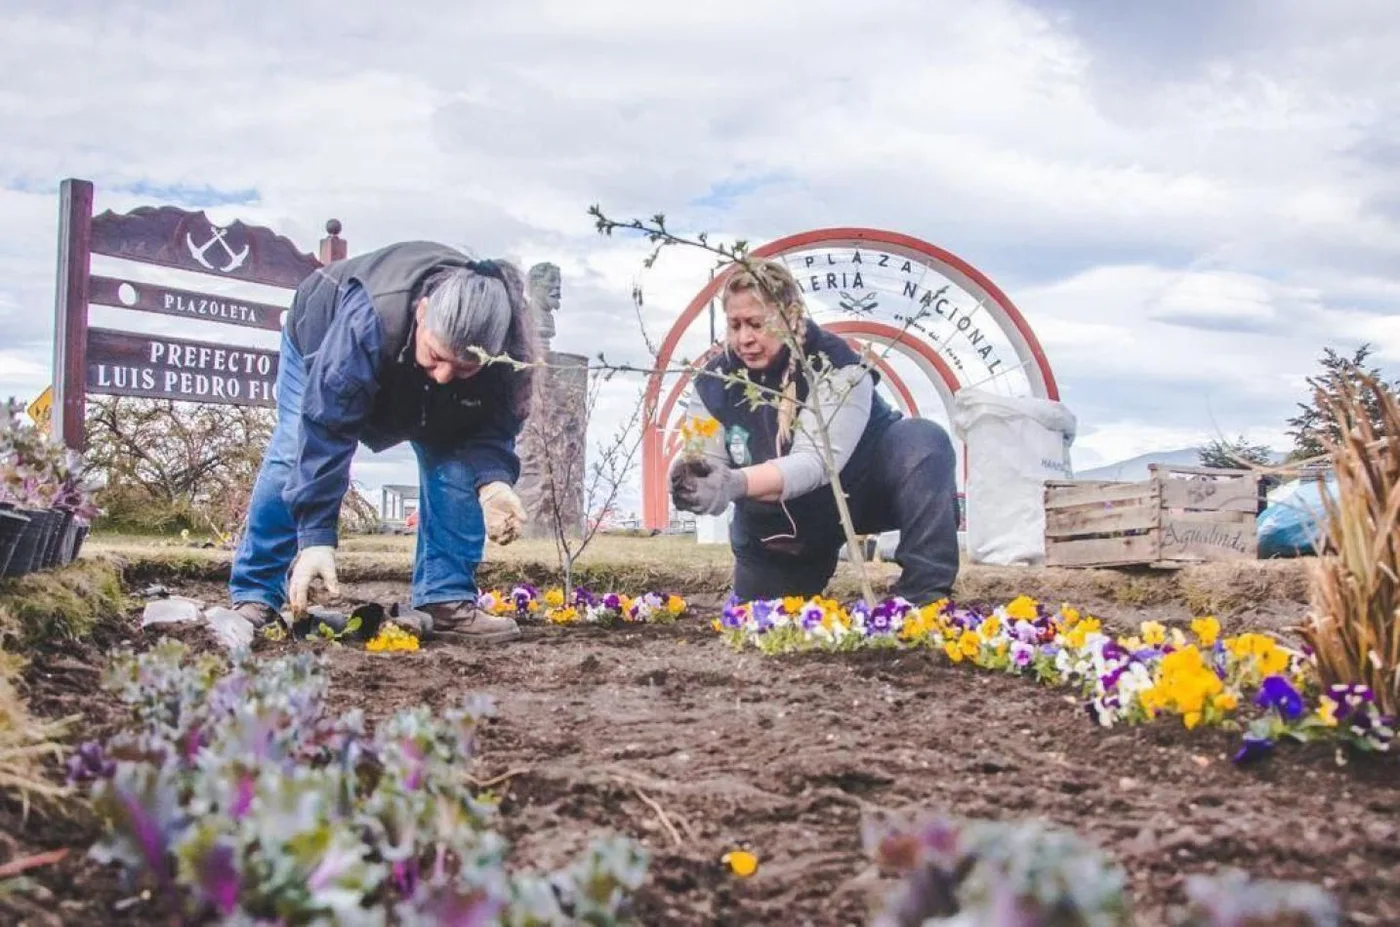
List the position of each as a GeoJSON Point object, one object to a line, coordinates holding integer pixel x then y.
{"type": "Point", "coordinates": [766, 458]}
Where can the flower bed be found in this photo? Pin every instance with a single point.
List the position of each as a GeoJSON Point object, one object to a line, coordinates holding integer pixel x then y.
{"type": "Point", "coordinates": [240, 796]}
{"type": "Point", "coordinates": [583, 607]}
{"type": "Point", "coordinates": [1201, 678]}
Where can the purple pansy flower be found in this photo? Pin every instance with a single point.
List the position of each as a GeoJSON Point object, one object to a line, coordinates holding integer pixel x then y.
{"type": "Point", "coordinates": [879, 622]}
{"type": "Point", "coordinates": [763, 614]}
{"type": "Point", "coordinates": [1277, 693]}
{"type": "Point", "coordinates": [1022, 653]}
{"type": "Point", "coordinates": [1253, 748]}
{"type": "Point", "coordinates": [733, 617]}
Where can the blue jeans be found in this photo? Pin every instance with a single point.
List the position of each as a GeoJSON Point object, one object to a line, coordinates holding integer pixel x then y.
{"type": "Point", "coordinates": [451, 527]}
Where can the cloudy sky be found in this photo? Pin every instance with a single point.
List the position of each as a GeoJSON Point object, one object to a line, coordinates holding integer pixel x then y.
{"type": "Point", "coordinates": [1187, 200]}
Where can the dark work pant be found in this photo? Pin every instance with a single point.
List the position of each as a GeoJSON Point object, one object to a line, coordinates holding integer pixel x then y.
{"type": "Point", "coordinates": [909, 487]}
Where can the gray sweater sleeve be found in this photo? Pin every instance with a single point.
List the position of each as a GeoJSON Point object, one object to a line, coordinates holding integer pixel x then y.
{"type": "Point", "coordinates": [842, 399]}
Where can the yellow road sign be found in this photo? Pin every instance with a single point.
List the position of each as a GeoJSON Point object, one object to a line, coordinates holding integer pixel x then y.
{"type": "Point", "coordinates": [41, 409]}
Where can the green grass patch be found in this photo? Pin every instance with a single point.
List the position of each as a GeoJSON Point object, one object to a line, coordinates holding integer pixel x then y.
{"type": "Point", "coordinates": [64, 603]}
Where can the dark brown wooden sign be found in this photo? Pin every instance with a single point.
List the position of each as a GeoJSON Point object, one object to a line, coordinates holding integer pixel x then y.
{"type": "Point", "coordinates": [158, 367]}
{"type": "Point", "coordinates": [172, 237]}
{"type": "Point", "coordinates": [185, 304]}
{"type": "Point", "coordinates": [117, 363]}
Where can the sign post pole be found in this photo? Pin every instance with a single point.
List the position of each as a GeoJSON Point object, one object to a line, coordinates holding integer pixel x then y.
{"type": "Point", "coordinates": [71, 314]}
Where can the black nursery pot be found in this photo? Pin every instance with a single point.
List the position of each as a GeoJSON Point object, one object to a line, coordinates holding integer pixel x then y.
{"type": "Point", "coordinates": [33, 541]}
{"type": "Point", "coordinates": [12, 526]}
{"type": "Point", "coordinates": [53, 553]}
{"type": "Point", "coordinates": [65, 546]}
{"type": "Point", "coordinates": [80, 533]}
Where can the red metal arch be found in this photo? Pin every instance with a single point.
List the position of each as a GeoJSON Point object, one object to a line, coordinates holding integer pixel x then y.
{"type": "Point", "coordinates": [655, 503]}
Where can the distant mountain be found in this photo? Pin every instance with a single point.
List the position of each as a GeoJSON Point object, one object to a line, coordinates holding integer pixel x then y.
{"type": "Point", "coordinates": [1136, 468]}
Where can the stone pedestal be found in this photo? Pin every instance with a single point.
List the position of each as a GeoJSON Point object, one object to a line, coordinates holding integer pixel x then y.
{"type": "Point", "coordinates": [554, 448]}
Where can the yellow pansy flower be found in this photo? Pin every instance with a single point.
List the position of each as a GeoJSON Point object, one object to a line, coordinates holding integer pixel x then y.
{"type": "Point", "coordinates": [391, 638]}
{"type": "Point", "coordinates": [1207, 630]}
{"type": "Point", "coordinates": [1023, 607]}
{"type": "Point", "coordinates": [741, 862]}
{"type": "Point", "coordinates": [1226, 701]}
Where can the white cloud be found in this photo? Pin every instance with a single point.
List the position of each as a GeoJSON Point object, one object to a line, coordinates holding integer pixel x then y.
{"type": "Point", "coordinates": [1185, 215]}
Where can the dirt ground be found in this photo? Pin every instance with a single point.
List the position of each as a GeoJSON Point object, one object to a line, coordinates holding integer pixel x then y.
{"type": "Point", "coordinates": [600, 728]}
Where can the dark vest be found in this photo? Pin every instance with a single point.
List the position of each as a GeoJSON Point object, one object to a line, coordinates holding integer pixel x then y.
{"type": "Point", "coordinates": [408, 405]}
{"type": "Point", "coordinates": [751, 435]}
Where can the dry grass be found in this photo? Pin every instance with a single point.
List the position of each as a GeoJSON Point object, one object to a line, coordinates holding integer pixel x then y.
{"type": "Point", "coordinates": [679, 564]}
{"type": "Point", "coordinates": [1355, 589]}
{"type": "Point", "coordinates": [36, 609]}
{"type": "Point", "coordinates": [668, 562]}
{"type": "Point", "coordinates": [26, 743]}
{"type": "Point", "coordinates": [67, 602]}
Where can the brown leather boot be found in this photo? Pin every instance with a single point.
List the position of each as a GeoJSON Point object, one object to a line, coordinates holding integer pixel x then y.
{"type": "Point", "coordinates": [464, 623]}
{"type": "Point", "coordinates": [259, 615]}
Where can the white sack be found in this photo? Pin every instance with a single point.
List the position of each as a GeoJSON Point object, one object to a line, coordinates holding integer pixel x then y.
{"type": "Point", "coordinates": [1013, 446]}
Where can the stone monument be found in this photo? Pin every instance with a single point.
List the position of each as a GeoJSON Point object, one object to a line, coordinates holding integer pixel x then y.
{"type": "Point", "coordinates": [553, 447]}
{"type": "Point", "coordinates": [544, 289]}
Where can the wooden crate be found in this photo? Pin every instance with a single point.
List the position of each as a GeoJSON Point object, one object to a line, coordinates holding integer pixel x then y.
{"type": "Point", "coordinates": [1178, 516]}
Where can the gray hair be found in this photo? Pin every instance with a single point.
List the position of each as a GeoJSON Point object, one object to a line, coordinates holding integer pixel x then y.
{"type": "Point", "coordinates": [467, 309]}
{"type": "Point", "coordinates": [485, 307]}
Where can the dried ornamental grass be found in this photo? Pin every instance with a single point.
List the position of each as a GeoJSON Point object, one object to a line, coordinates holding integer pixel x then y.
{"type": "Point", "coordinates": [1355, 584]}
{"type": "Point", "coordinates": [25, 744]}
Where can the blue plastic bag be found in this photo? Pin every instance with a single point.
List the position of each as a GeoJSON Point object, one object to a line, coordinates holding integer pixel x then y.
{"type": "Point", "coordinates": [1295, 519]}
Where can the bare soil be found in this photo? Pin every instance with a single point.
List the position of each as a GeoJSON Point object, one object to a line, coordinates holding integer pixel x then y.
{"type": "Point", "coordinates": [603, 729]}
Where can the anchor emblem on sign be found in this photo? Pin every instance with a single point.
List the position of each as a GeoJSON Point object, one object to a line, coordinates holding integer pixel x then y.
{"type": "Point", "coordinates": [216, 236]}
{"type": "Point", "coordinates": [859, 305]}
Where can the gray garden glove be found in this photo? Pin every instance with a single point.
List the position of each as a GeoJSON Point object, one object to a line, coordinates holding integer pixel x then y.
{"type": "Point", "coordinates": [706, 489]}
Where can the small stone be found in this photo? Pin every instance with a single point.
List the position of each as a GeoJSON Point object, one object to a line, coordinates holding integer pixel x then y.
{"type": "Point", "coordinates": [172, 610]}
{"type": "Point", "coordinates": [1127, 783]}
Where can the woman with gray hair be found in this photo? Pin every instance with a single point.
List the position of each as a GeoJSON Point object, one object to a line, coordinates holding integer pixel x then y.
{"type": "Point", "coordinates": [392, 346]}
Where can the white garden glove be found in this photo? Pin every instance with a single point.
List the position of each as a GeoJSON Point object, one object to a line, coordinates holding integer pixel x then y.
{"type": "Point", "coordinates": [311, 563]}
{"type": "Point", "coordinates": [504, 514]}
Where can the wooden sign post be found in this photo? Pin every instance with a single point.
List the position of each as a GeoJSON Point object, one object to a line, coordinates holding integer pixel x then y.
{"type": "Point", "coordinates": [112, 362]}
